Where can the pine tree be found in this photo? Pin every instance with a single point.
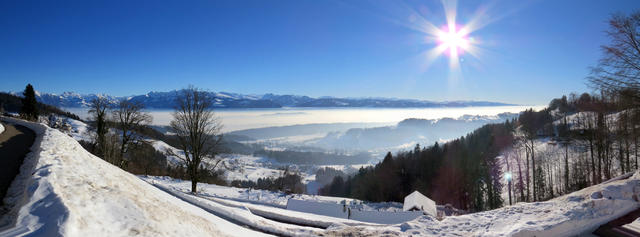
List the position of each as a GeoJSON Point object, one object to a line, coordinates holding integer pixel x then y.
{"type": "Point", "coordinates": [29, 108]}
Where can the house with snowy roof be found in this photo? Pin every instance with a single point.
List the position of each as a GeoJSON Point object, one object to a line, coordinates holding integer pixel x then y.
{"type": "Point", "coordinates": [418, 202]}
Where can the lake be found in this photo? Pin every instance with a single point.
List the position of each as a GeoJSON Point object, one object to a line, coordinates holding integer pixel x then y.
{"type": "Point", "coordinates": [240, 119]}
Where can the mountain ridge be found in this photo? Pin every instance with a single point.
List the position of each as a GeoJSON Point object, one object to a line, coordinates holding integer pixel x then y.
{"type": "Point", "coordinates": [165, 100]}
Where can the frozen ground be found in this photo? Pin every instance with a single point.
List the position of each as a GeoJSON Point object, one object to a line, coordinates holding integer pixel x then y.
{"type": "Point", "coordinates": [63, 190]}
{"type": "Point", "coordinates": [577, 213]}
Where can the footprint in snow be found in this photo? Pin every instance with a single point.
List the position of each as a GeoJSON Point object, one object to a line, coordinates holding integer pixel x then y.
{"type": "Point", "coordinates": [596, 195]}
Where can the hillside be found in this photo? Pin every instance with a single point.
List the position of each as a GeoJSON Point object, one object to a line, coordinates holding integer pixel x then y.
{"type": "Point", "coordinates": [65, 191]}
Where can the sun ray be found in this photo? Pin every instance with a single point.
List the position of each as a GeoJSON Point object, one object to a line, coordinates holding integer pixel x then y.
{"type": "Point", "coordinates": [453, 40]}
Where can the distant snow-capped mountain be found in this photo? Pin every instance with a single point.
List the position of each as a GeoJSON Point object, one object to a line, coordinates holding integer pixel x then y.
{"type": "Point", "coordinates": [165, 100]}
{"type": "Point", "coordinates": [70, 99]}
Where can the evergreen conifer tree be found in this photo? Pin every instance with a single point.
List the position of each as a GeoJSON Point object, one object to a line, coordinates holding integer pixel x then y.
{"type": "Point", "coordinates": [29, 108]}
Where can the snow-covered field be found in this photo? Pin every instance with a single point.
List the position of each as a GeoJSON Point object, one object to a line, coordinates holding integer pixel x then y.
{"type": "Point", "coordinates": [263, 197]}
{"type": "Point", "coordinates": [63, 190]}
{"type": "Point", "coordinates": [249, 168]}
{"type": "Point", "coordinates": [172, 160]}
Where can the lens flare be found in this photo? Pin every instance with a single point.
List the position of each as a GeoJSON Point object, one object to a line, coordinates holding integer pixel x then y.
{"type": "Point", "coordinates": [453, 39]}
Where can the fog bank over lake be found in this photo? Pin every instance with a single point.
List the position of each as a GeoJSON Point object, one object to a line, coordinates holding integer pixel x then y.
{"type": "Point", "coordinates": [240, 119]}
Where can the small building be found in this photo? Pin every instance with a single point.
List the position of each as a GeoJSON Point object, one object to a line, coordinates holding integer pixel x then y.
{"type": "Point", "coordinates": [418, 202]}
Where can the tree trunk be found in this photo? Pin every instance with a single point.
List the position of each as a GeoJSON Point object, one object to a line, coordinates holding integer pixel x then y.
{"type": "Point", "coordinates": [636, 151]}
{"type": "Point", "coordinates": [194, 178]}
{"type": "Point", "coordinates": [628, 147]}
{"type": "Point", "coordinates": [566, 167]}
{"type": "Point", "coordinates": [593, 163]}
{"type": "Point", "coordinates": [533, 166]}
{"type": "Point", "coordinates": [528, 181]}
{"type": "Point", "coordinates": [521, 183]}
{"type": "Point", "coordinates": [550, 171]}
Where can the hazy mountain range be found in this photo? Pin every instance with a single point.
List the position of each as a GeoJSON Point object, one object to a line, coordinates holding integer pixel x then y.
{"type": "Point", "coordinates": [369, 137]}
{"type": "Point", "coordinates": [165, 100]}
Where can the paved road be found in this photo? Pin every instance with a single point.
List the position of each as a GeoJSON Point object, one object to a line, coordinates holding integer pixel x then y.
{"type": "Point", "coordinates": [15, 142]}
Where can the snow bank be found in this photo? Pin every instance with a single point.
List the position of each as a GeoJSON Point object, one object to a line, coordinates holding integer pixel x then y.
{"type": "Point", "coordinates": [288, 216]}
{"type": "Point", "coordinates": [63, 190]}
{"type": "Point", "coordinates": [385, 217]}
{"type": "Point", "coordinates": [80, 130]}
{"type": "Point", "coordinates": [319, 208]}
{"type": "Point", "coordinates": [243, 216]}
{"type": "Point", "coordinates": [635, 225]}
{"type": "Point", "coordinates": [574, 214]}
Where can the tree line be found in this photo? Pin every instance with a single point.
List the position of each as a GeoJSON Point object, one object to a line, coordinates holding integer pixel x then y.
{"type": "Point", "coordinates": [594, 135]}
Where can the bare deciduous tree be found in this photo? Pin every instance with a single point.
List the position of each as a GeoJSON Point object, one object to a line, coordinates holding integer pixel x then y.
{"type": "Point", "coordinates": [197, 129]}
{"type": "Point", "coordinates": [619, 69]}
{"type": "Point", "coordinates": [128, 117]}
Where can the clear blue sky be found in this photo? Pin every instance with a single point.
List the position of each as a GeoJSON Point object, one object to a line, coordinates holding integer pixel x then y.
{"type": "Point", "coordinates": [532, 50]}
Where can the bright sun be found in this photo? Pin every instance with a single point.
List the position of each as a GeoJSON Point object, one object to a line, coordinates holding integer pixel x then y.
{"type": "Point", "coordinates": [455, 40]}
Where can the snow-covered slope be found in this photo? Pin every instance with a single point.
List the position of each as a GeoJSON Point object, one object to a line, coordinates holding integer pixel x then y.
{"type": "Point", "coordinates": [63, 190]}
{"type": "Point", "coordinates": [574, 214]}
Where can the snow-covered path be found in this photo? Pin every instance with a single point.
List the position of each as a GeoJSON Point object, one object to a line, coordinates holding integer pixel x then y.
{"type": "Point", "coordinates": [243, 216]}
{"type": "Point", "coordinates": [63, 190]}
{"type": "Point", "coordinates": [268, 218]}
{"type": "Point", "coordinates": [15, 143]}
